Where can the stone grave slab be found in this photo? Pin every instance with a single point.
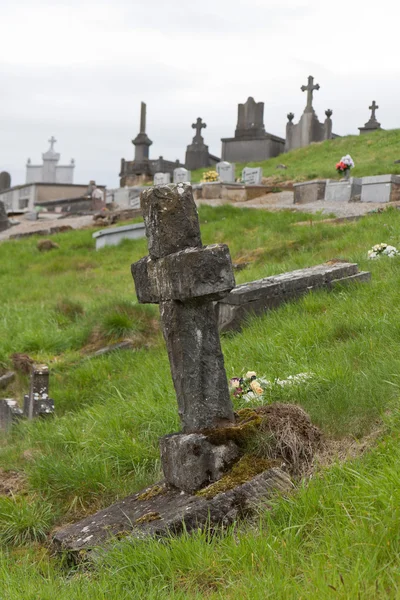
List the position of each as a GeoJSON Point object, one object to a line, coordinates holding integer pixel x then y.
{"type": "Point", "coordinates": [257, 297]}
{"type": "Point", "coordinates": [114, 236]}
{"type": "Point", "coordinates": [226, 171]}
{"type": "Point", "coordinates": [381, 188]}
{"type": "Point", "coordinates": [182, 175]}
{"type": "Point", "coordinates": [343, 191]}
{"type": "Point", "coordinates": [309, 191]}
{"type": "Point", "coordinates": [161, 178]}
{"type": "Point", "coordinates": [38, 403]}
{"type": "Point", "coordinates": [252, 175]}
{"type": "Point", "coordinates": [9, 413]}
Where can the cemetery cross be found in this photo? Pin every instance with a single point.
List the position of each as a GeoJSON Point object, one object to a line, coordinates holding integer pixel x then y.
{"type": "Point", "coordinates": [52, 141]}
{"type": "Point", "coordinates": [198, 126]}
{"type": "Point", "coordinates": [185, 277]}
{"type": "Point", "coordinates": [309, 89]}
{"type": "Point", "coordinates": [373, 108]}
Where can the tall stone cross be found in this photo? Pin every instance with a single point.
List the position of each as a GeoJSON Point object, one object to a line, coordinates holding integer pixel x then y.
{"type": "Point", "coordinates": [309, 88]}
{"type": "Point", "coordinates": [185, 277]}
{"type": "Point", "coordinates": [52, 141]}
{"type": "Point", "coordinates": [374, 107]}
{"type": "Point", "coordinates": [198, 126]}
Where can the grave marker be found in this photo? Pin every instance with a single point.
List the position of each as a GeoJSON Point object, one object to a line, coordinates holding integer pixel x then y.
{"type": "Point", "coordinates": [37, 402]}
{"type": "Point", "coordinates": [252, 175]}
{"type": "Point", "coordinates": [182, 175]}
{"type": "Point", "coordinates": [161, 178]}
{"type": "Point", "coordinates": [226, 171]}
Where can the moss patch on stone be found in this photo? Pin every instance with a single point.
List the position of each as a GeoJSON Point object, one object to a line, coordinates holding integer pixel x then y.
{"type": "Point", "coordinates": [148, 517]}
{"type": "Point", "coordinates": [155, 490]}
{"type": "Point", "coordinates": [248, 422]}
{"type": "Point", "coordinates": [245, 469]}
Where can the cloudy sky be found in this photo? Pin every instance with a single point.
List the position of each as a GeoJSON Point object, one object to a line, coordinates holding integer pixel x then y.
{"type": "Point", "coordinates": [78, 70]}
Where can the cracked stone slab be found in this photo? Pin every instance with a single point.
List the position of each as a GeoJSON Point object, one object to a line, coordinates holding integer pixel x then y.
{"type": "Point", "coordinates": [161, 510]}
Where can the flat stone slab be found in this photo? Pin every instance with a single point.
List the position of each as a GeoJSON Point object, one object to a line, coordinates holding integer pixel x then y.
{"type": "Point", "coordinates": [115, 235]}
{"type": "Point", "coordinates": [262, 295]}
{"type": "Point", "coordinates": [380, 188]}
{"type": "Point", "coordinates": [343, 191]}
{"type": "Point", "coordinates": [160, 510]}
{"type": "Point", "coordinates": [309, 191]}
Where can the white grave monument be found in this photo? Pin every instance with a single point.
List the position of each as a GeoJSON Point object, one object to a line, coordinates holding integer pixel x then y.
{"type": "Point", "coordinates": [252, 175]}
{"type": "Point", "coordinates": [182, 175]}
{"type": "Point", "coordinates": [226, 171]}
{"type": "Point", "coordinates": [161, 178]}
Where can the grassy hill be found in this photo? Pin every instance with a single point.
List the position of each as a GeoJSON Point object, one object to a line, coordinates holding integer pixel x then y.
{"type": "Point", "coordinates": [373, 154]}
{"type": "Point", "coordinates": [335, 537]}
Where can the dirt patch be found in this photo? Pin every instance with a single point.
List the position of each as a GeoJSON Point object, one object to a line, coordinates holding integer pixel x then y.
{"type": "Point", "coordinates": [11, 483]}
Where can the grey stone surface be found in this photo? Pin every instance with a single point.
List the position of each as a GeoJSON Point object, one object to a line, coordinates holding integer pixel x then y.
{"type": "Point", "coordinates": [262, 295]}
{"type": "Point", "coordinates": [343, 191]}
{"type": "Point", "coordinates": [372, 124]}
{"type": "Point", "coordinates": [252, 175]}
{"type": "Point", "coordinates": [114, 236]}
{"type": "Point", "coordinates": [226, 171]}
{"type": "Point", "coordinates": [6, 379]}
{"type": "Point", "coordinates": [161, 178]}
{"type": "Point", "coordinates": [4, 222]}
{"type": "Point", "coordinates": [189, 327]}
{"type": "Point", "coordinates": [5, 181]}
{"type": "Point", "coordinates": [9, 413]}
{"type": "Point", "coordinates": [380, 188]}
{"type": "Point", "coordinates": [251, 141]}
{"type": "Point", "coordinates": [170, 511]}
{"type": "Point", "coordinates": [191, 273]}
{"type": "Point", "coordinates": [308, 129]}
{"type": "Point", "coordinates": [309, 191]}
{"type": "Point", "coordinates": [182, 175]}
{"type": "Point", "coordinates": [191, 462]}
{"type": "Point", "coordinates": [37, 402]}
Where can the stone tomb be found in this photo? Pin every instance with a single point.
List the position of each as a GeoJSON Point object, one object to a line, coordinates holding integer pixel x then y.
{"type": "Point", "coordinates": [381, 188]}
{"type": "Point", "coordinates": [114, 236]}
{"type": "Point", "coordinates": [252, 175]}
{"type": "Point", "coordinates": [343, 191]}
{"type": "Point", "coordinates": [226, 171]}
{"type": "Point", "coordinates": [182, 175]}
{"type": "Point", "coordinates": [185, 278]}
{"type": "Point", "coordinates": [309, 191]}
{"type": "Point", "coordinates": [257, 297]}
{"type": "Point", "coordinates": [161, 178]}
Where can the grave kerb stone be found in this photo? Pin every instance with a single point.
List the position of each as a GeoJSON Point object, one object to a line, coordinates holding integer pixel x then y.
{"type": "Point", "coordinates": [380, 188]}
{"type": "Point", "coordinates": [343, 191]}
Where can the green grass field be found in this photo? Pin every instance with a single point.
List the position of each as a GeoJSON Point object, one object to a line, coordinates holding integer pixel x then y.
{"type": "Point", "coordinates": [373, 154]}
{"type": "Point", "coordinates": [337, 536]}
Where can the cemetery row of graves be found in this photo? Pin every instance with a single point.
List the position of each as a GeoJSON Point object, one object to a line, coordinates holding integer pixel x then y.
{"type": "Point", "coordinates": [336, 533]}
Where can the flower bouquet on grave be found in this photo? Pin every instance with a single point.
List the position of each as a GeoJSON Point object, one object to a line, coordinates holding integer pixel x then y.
{"type": "Point", "coordinates": [210, 176]}
{"type": "Point", "coordinates": [382, 250]}
{"type": "Point", "coordinates": [344, 165]}
{"type": "Point", "coordinates": [251, 388]}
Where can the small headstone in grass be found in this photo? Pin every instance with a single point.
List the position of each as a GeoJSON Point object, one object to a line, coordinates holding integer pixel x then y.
{"type": "Point", "coordinates": [182, 175]}
{"type": "Point", "coordinates": [226, 171]}
{"type": "Point", "coordinates": [161, 178]}
{"type": "Point", "coordinates": [37, 402]}
{"type": "Point", "coordinates": [9, 413]}
{"type": "Point", "coordinates": [185, 277]}
{"type": "Point", "coordinates": [252, 175]}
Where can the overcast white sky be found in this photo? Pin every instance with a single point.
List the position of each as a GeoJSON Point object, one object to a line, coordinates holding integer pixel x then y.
{"type": "Point", "coordinates": [78, 70]}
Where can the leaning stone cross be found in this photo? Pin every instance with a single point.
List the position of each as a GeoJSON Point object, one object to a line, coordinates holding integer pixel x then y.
{"type": "Point", "coordinates": [374, 107]}
{"type": "Point", "coordinates": [185, 277]}
{"type": "Point", "coordinates": [309, 89]}
{"type": "Point", "coordinates": [198, 126]}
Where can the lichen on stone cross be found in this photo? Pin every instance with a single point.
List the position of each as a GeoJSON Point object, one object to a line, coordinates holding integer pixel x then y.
{"type": "Point", "coordinates": [309, 88]}
{"type": "Point", "coordinates": [185, 277]}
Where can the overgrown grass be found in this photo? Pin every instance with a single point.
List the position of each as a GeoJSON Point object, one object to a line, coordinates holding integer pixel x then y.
{"type": "Point", "coordinates": [373, 154]}
{"type": "Point", "coordinates": [111, 410]}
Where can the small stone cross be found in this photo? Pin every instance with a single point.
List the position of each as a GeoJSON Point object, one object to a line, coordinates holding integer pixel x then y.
{"type": "Point", "coordinates": [198, 126]}
{"type": "Point", "coordinates": [374, 107]}
{"type": "Point", "coordinates": [185, 277]}
{"type": "Point", "coordinates": [309, 89]}
{"type": "Point", "coordinates": [52, 141]}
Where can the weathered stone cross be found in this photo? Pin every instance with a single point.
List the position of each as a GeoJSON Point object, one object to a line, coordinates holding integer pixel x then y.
{"type": "Point", "coordinates": [52, 141]}
{"type": "Point", "coordinates": [198, 126]}
{"type": "Point", "coordinates": [373, 108]}
{"type": "Point", "coordinates": [309, 89]}
{"type": "Point", "coordinates": [184, 277]}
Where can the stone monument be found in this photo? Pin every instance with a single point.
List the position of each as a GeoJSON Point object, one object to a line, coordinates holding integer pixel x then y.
{"type": "Point", "coordinates": [252, 175]}
{"type": "Point", "coordinates": [182, 175]}
{"type": "Point", "coordinates": [372, 124]}
{"type": "Point", "coordinates": [5, 181]}
{"type": "Point", "coordinates": [251, 141]}
{"type": "Point", "coordinates": [4, 222]}
{"type": "Point", "coordinates": [161, 178]}
{"type": "Point", "coordinates": [308, 129]}
{"type": "Point", "coordinates": [37, 402]}
{"type": "Point", "coordinates": [226, 171]}
{"type": "Point", "coordinates": [197, 154]}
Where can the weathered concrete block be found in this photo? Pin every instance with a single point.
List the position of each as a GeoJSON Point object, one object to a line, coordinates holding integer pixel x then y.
{"type": "Point", "coordinates": [381, 188]}
{"type": "Point", "coordinates": [343, 191]}
{"type": "Point", "coordinates": [211, 191]}
{"type": "Point", "coordinates": [171, 220]}
{"type": "Point", "coordinates": [192, 273]}
{"type": "Point", "coordinates": [190, 461]}
{"type": "Point", "coordinates": [309, 191]}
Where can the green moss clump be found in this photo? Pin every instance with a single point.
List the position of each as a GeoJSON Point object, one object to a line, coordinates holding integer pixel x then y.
{"type": "Point", "coordinates": [248, 423]}
{"type": "Point", "coordinates": [245, 469]}
{"type": "Point", "coordinates": [156, 490]}
{"type": "Point", "coordinates": [148, 517]}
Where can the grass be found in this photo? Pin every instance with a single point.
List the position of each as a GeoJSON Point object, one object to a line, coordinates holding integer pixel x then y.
{"type": "Point", "coordinates": [336, 537]}
{"type": "Point", "coordinates": [373, 154]}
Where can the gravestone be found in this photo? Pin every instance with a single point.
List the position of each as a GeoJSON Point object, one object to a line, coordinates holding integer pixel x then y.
{"type": "Point", "coordinates": [252, 175]}
{"type": "Point", "coordinates": [37, 402]}
{"type": "Point", "coordinates": [9, 413]}
{"type": "Point", "coordinates": [309, 191]}
{"type": "Point", "coordinates": [4, 222]}
{"type": "Point", "coordinates": [372, 124]}
{"type": "Point", "coordinates": [226, 171]}
{"type": "Point", "coordinates": [380, 188]}
{"type": "Point", "coordinates": [197, 153]}
{"type": "Point", "coordinates": [5, 181]}
{"type": "Point", "coordinates": [185, 277]}
{"type": "Point", "coordinates": [161, 178]}
{"type": "Point", "coordinates": [343, 191]}
{"type": "Point", "coordinates": [114, 235]}
{"type": "Point", "coordinates": [182, 175]}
